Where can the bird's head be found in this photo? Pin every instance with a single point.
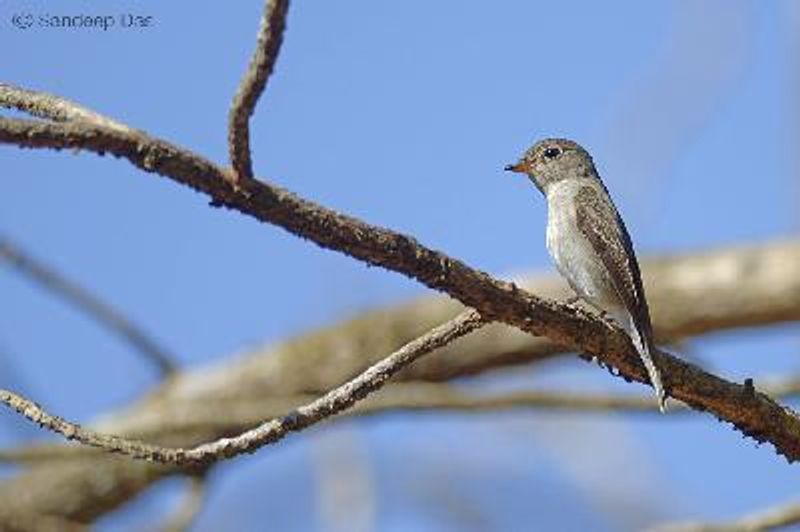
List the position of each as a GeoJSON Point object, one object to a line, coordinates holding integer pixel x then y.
{"type": "Point", "coordinates": [553, 160]}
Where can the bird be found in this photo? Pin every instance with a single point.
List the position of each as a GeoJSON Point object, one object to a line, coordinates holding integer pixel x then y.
{"type": "Point", "coordinates": [589, 243]}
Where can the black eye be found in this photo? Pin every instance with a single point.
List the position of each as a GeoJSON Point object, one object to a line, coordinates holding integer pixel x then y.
{"type": "Point", "coordinates": [552, 153]}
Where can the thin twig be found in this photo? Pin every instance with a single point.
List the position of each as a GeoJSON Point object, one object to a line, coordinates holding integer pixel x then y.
{"type": "Point", "coordinates": [270, 431]}
{"type": "Point", "coordinates": [226, 415]}
{"type": "Point", "coordinates": [88, 303]}
{"type": "Point", "coordinates": [230, 416]}
{"type": "Point", "coordinates": [268, 44]}
{"type": "Point", "coordinates": [754, 414]}
{"type": "Point", "coordinates": [53, 107]}
{"type": "Point", "coordinates": [770, 519]}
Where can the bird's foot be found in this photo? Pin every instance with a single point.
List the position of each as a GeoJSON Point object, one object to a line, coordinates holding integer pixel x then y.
{"type": "Point", "coordinates": [575, 303]}
{"type": "Point", "coordinates": [606, 318]}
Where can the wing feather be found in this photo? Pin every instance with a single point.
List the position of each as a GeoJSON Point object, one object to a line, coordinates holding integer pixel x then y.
{"type": "Point", "coordinates": [613, 245]}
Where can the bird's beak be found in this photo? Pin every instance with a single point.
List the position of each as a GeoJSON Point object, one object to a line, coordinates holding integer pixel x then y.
{"type": "Point", "coordinates": [516, 168]}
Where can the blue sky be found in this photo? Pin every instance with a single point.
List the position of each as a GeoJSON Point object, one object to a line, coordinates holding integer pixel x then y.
{"type": "Point", "coordinates": [404, 114]}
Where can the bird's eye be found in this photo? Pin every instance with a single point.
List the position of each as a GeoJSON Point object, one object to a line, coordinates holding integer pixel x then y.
{"type": "Point", "coordinates": [552, 153]}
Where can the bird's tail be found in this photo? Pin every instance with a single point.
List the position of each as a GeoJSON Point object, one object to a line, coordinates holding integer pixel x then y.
{"type": "Point", "coordinates": [652, 371]}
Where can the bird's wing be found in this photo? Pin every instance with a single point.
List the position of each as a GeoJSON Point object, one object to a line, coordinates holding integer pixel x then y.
{"type": "Point", "coordinates": [613, 245]}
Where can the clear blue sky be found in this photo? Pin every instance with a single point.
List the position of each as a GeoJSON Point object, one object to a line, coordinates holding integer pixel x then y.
{"type": "Point", "coordinates": [403, 114]}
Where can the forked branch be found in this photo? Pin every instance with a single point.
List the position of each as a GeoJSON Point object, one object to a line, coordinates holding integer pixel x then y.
{"type": "Point", "coordinates": [270, 36]}
{"type": "Point", "coordinates": [52, 107]}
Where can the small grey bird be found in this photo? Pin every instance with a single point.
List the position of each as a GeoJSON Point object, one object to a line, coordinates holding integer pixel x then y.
{"type": "Point", "coordinates": [589, 242]}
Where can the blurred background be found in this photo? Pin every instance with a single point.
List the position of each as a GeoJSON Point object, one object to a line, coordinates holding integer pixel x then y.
{"type": "Point", "coordinates": [404, 114]}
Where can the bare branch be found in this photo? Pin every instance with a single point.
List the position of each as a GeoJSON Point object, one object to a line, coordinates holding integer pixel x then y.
{"type": "Point", "coordinates": [88, 303]}
{"type": "Point", "coordinates": [268, 44]}
{"type": "Point", "coordinates": [771, 519]}
{"type": "Point", "coordinates": [53, 107]}
{"type": "Point", "coordinates": [268, 432]}
{"type": "Point", "coordinates": [230, 416]}
{"type": "Point", "coordinates": [754, 414]}
{"type": "Point", "coordinates": [183, 420]}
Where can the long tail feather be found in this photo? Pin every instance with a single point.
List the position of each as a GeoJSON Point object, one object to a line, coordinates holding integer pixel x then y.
{"type": "Point", "coordinates": [652, 371]}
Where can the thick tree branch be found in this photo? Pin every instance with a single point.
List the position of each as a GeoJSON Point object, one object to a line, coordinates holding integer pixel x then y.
{"type": "Point", "coordinates": [268, 44]}
{"type": "Point", "coordinates": [267, 432]}
{"type": "Point", "coordinates": [88, 303]}
{"type": "Point", "coordinates": [754, 414]}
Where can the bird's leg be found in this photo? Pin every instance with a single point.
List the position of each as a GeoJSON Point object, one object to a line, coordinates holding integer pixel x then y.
{"type": "Point", "coordinates": [607, 319]}
{"type": "Point", "coordinates": [574, 303]}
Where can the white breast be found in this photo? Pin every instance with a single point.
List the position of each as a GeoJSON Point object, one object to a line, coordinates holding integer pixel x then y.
{"type": "Point", "coordinates": [572, 253]}
{"type": "Point", "coordinates": [563, 238]}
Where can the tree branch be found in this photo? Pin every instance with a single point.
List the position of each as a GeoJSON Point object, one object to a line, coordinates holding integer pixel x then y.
{"type": "Point", "coordinates": [268, 44]}
{"type": "Point", "coordinates": [754, 414]}
{"type": "Point", "coordinates": [184, 421]}
{"type": "Point", "coordinates": [88, 303]}
{"type": "Point", "coordinates": [268, 432]}
{"type": "Point", "coordinates": [53, 107]}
